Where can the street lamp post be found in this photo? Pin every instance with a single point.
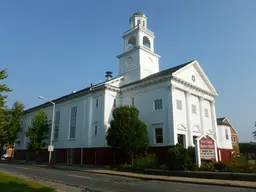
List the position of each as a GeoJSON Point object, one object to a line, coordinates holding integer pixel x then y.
{"type": "Point", "coordinates": [53, 121]}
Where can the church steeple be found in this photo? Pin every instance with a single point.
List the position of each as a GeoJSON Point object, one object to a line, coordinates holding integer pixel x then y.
{"type": "Point", "coordinates": [138, 59]}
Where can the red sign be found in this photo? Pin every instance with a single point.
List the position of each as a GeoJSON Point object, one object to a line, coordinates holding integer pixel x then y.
{"type": "Point", "coordinates": [207, 148]}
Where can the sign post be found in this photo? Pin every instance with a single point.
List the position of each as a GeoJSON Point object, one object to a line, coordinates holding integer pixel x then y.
{"type": "Point", "coordinates": [205, 149]}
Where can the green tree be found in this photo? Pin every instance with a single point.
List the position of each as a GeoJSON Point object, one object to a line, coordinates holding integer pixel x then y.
{"type": "Point", "coordinates": [3, 109]}
{"type": "Point", "coordinates": [14, 127]}
{"type": "Point", "coordinates": [127, 131]}
{"type": "Point", "coordinates": [38, 132]}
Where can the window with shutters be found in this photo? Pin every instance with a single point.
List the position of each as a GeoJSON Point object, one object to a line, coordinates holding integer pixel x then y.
{"type": "Point", "coordinates": [206, 112]}
{"type": "Point", "coordinates": [194, 109]}
{"type": "Point", "coordinates": [179, 104]}
{"type": "Point", "coordinates": [158, 104]}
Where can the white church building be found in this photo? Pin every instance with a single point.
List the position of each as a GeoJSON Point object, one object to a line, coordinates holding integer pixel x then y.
{"type": "Point", "coordinates": [176, 104]}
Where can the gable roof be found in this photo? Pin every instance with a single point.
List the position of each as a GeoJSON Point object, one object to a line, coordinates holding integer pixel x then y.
{"type": "Point", "coordinates": [201, 73]}
{"type": "Point", "coordinates": [228, 123]}
{"type": "Point", "coordinates": [169, 71]}
{"type": "Point", "coordinates": [220, 122]}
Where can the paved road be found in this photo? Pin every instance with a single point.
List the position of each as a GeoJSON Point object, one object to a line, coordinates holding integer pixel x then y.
{"type": "Point", "coordinates": [108, 183]}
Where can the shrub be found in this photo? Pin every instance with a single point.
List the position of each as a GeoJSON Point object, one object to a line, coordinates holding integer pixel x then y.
{"type": "Point", "coordinates": [242, 168]}
{"type": "Point", "coordinates": [192, 154]}
{"type": "Point", "coordinates": [145, 161]}
{"type": "Point", "coordinates": [220, 166]}
{"type": "Point", "coordinates": [179, 158]}
{"type": "Point", "coordinates": [125, 166]}
{"type": "Point", "coordinates": [164, 167]}
{"type": "Point", "coordinates": [206, 166]}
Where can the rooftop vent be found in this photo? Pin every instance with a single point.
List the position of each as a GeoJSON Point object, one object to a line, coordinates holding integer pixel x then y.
{"type": "Point", "coordinates": [108, 75]}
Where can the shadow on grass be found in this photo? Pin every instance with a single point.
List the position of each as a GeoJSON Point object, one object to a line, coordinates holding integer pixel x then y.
{"type": "Point", "coordinates": [12, 186]}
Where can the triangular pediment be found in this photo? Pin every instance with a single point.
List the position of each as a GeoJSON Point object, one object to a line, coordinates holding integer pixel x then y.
{"type": "Point", "coordinates": [194, 75]}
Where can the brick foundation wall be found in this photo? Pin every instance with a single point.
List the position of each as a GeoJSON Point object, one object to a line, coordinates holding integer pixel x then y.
{"type": "Point", "coordinates": [99, 156]}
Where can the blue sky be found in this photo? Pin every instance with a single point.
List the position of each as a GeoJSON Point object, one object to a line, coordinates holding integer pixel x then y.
{"type": "Point", "coordinates": [51, 48]}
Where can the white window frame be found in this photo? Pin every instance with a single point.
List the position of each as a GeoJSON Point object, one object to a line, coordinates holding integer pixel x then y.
{"type": "Point", "coordinates": [226, 134]}
{"type": "Point", "coordinates": [159, 127]}
{"type": "Point", "coordinates": [155, 126]}
{"type": "Point", "coordinates": [133, 101]}
{"type": "Point", "coordinates": [74, 105]}
{"type": "Point", "coordinates": [54, 138]}
{"type": "Point", "coordinates": [154, 105]}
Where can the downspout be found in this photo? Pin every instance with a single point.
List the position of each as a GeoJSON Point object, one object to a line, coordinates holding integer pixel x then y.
{"type": "Point", "coordinates": [82, 136]}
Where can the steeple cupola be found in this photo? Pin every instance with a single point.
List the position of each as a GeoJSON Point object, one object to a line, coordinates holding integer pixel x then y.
{"type": "Point", "coordinates": [138, 59]}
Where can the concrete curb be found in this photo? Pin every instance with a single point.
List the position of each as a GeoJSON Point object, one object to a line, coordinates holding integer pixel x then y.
{"type": "Point", "coordinates": [202, 181]}
{"type": "Point", "coordinates": [225, 183]}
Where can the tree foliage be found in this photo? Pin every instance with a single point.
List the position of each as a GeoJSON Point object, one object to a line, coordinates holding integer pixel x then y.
{"type": "Point", "coordinates": [14, 127]}
{"type": "Point", "coordinates": [254, 134]}
{"type": "Point", "coordinates": [127, 131]}
{"type": "Point", "coordinates": [3, 110]}
{"type": "Point", "coordinates": [38, 132]}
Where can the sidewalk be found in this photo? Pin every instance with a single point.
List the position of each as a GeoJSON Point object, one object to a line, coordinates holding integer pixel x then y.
{"type": "Point", "coordinates": [106, 170]}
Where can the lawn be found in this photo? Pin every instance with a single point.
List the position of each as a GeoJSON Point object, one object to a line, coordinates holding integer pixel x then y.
{"type": "Point", "coordinates": [13, 184]}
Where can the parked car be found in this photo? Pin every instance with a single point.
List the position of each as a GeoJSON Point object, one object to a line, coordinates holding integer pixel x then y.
{"type": "Point", "coordinates": [5, 157]}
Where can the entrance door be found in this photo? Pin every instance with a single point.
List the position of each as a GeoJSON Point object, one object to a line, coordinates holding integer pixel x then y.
{"type": "Point", "coordinates": [69, 156]}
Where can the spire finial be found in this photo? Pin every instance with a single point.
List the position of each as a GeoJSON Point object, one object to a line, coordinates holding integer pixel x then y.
{"type": "Point", "coordinates": [138, 10]}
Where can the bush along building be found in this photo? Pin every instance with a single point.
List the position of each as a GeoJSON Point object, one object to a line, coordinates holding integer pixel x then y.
{"type": "Point", "coordinates": [176, 104]}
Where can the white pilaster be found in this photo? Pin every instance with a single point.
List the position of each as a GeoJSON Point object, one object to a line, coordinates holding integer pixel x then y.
{"type": "Point", "coordinates": [170, 132]}
{"type": "Point", "coordinates": [203, 131]}
{"type": "Point", "coordinates": [190, 132]}
{"type": "Point", "coordinates": [214, 122]}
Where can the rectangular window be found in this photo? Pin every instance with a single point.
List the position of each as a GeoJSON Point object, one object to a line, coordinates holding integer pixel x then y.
{"type": "Point", "coordinates": [194, 140]}
{"type": "Point", "coordinates": [57, 125]}
{"type": "Point", "coordinates": [158, 104]}
{"type": "Point", "coordinates": [114, 105]}
{"type": "Point", "coordinates": [181, 140]}
{"type": "Point", "coordinates": [226, 133]}
{"type": "Point", "coordinates": [97, 103]}
{"type": "Point", "coordinates": [132, 101]}
{"type": "Point", "coordinates": [194, 109]}
{"type": "Point", "coordinates": [95, 130]}
{"type": "Point", "coordinates": [159, 135]}
{"type": "Point", "coordinates": [206, 112]}
{"type": "Point", "coordinates": [72, 128]}
{"type": "Point", "coordinates": [179, 104]}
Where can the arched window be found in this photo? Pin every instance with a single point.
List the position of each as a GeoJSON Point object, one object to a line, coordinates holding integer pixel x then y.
{"type": "Point", "coordinates": [143, 23]}
{"type": "Point", "coordinates": [146, 42]}
{"type": "Point", "coordinates": [138, 22]}
{"type": "Point", "coordinates": [131, 42]}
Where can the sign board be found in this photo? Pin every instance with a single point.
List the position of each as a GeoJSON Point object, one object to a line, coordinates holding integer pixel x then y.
{"type": "Point", "coordinates": [207, 148]}
{"type": "Point", "coordinates": [50, 148]}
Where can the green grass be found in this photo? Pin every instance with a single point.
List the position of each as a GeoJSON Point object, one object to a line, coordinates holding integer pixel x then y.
{"type": "Point", "coordinates": [13, 184]}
